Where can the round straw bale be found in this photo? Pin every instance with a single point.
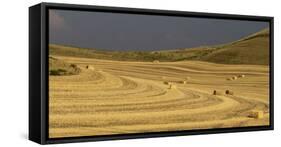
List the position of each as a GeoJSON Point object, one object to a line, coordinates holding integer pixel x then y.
{"type": "Point", "coordinates": [171, 86]}
{"type": "Point", "coordinates": [215, 92]}
{"type": "Point", "coordinates": [241, 76]}
{"type": "Point", "coordinates": [90, 67]}
{"type": "Point", "coordinates": [229, 92]}
{"type": "Point", "coordinates": [229, 79]}
{"type": "Point", "coordinates": [183, 82]}
{"type": "Point", "coordinates": [167, 83]}
{"type": "Point", "coordinates": [234, 78]}
{"type": "Point", "coordinates": [155, 61]}
{"type": "Point", "coordinates": [257, 114]}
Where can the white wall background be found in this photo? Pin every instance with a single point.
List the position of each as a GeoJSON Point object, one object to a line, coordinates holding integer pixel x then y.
{"type": "Point", "coordinates": [14, 72]}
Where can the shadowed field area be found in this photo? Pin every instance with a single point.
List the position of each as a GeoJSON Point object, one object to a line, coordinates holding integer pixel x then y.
{"type": "Point", "coordinates": [253, 49]}
{"type": "Point", "coordinates": [117, 97]}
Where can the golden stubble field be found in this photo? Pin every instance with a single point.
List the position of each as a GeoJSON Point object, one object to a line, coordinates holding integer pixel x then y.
{"type": "Point", "coordinates": [117, 97]}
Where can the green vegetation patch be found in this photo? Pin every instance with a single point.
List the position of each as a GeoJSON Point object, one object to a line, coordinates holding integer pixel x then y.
{"type": "Point", "coordinates": [60, 68]}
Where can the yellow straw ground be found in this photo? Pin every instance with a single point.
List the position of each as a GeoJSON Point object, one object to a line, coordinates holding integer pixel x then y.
{"type": "Point", "coordinates": [131, 97]}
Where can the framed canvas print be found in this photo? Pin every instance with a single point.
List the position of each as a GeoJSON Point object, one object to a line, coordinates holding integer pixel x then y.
{"type": "Point", "coordinates": [102, 73]}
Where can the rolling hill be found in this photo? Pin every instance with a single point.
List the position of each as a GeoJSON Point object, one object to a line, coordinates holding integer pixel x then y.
{"type": "Point", "coordinates": [253, 49]}
{"type": "Point", "coordinates": [250, 50]}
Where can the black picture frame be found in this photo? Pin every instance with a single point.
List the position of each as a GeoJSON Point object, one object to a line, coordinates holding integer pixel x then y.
{"type": "Point", "coordinates": [38, 72]}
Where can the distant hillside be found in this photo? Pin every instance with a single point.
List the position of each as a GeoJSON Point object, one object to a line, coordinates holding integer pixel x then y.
{"type": "Point", "coordinates": [174, 55]}
{"type": "Point", "coordinates": [253, 49]}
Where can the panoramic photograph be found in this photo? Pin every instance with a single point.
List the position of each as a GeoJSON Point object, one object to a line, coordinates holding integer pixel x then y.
{"type": "Point", "coordinates": [117, 73]}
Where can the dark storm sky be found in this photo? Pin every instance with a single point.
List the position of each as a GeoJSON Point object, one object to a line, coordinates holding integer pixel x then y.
{"type": "Point", "coordinates": [143, 32]}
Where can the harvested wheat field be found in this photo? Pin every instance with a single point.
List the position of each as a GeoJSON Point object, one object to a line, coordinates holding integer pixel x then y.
{"type": "Point", "coordinates": [117, 97]}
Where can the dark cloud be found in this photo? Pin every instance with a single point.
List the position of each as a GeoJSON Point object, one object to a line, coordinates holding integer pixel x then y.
{"type": "Point", "coordinates": [56, 21]}
{"type": "Point", "coordinates": [115, 31]}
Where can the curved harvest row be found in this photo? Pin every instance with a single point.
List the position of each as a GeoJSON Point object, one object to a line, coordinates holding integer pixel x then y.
{"type": "Point", "coordinates": [131, 97]}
